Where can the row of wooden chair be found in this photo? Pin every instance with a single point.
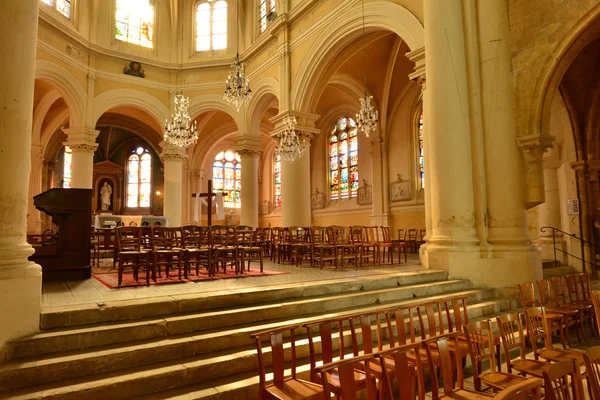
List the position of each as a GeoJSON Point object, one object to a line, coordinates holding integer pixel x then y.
{"type": "Point", "coordinates": [414, 238]}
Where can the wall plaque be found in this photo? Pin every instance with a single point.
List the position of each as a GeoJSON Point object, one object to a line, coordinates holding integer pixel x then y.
{"type": "Point", "coordinates": [400, 190]}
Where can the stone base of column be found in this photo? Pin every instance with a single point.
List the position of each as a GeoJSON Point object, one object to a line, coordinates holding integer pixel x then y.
{"type": "Point", "coordinates": [21, 293]}
{"type": "Point", "coordinates": [381, 220]}
{"type": "Point", "coordinates": [508, 266]}
{"type": "Point", "coordinates": [546, 246]}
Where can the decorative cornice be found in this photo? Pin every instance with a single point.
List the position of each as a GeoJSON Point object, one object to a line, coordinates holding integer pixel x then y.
{"type": "Point", "coordinates": [82, 148]}
{"type": "Point", "coordinates": [534, 147]}
{"type": "Point", "coordinates": [248, 153]}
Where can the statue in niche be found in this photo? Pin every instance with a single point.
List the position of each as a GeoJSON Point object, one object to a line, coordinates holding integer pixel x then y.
{"type": "Point", "coordinates": [364, 195]}
{"type": "Point", "coordinates": [105, 196]}
{"type": "Point", "coordinates": [400, 190]}
{"type": "Point", "coordinates": [318, 200]}
{"type": "Point", "coordinates": [134, 68]}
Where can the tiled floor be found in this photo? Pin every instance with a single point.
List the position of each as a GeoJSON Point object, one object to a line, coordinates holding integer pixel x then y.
{"type": "Point", "coordinates": [91, 291]}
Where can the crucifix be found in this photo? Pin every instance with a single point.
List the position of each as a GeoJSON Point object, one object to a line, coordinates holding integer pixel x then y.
{"type": "Point", "coordinates": [209, 200]}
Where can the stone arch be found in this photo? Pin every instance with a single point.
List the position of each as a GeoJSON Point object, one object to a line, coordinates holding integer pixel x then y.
{"type": "Point", "coordinates": [265, 89]}
{"type": "Point", "coordinates": [67, 85]}
{"type": "Point", "coordinates": [593, 127]}
{"type": "Point", "coordinates": [211, 102]}
{"type": "Point", "coordinates": [377, 15]}
{"type": "Point", "coordinates": [52, 137]}
{"type": "Point", "coordinates": [40, 112]}
{"type": "Point", "coordinates": [129, 97]}
{"type": "Point", "coordinates": [580, 36]}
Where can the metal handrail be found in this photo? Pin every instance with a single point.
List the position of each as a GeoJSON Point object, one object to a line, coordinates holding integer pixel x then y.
{"type": "Point", "coordinates": [574, 236]}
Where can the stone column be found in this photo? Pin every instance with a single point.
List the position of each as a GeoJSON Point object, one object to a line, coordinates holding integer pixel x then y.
{"type": "Point", "coordinates": [34, 217]}
{"type": "Point", "coordinates": [449, 150]}
{"type": "Point", "coordinates": [549, 215]}
{"type": "Point", "coordinates": [378, 183]}
{"type": "Point", "coordinates": [385, 183]}
{"type": "Point", "coordinates": [249, 192]}
{"type": "Point", "coordinates": [82, 142]}
{"type": "Point", "coordinates": [173, 162]}
{"type": "Point", "coordinates": [582, 173]}
{"type": "Point", "coordinates": [20, 279]}
{"type": "Point", "coordinates": [295, 175]}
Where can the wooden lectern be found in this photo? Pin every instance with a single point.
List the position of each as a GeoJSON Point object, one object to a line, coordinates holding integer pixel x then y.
{"type": "Point", "coordinates": [68, 257]}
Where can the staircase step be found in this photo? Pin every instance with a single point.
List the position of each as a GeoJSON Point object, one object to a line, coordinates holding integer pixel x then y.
{"type": "Point", "coordinates": [560, 270]}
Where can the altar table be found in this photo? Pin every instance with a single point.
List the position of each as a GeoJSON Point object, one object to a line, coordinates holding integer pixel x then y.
{"type": "Point", "coordinates": [104, 220]}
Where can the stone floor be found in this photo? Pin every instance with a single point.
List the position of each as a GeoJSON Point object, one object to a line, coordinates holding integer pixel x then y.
{"type": "Point", "coordinates": [56, 294]}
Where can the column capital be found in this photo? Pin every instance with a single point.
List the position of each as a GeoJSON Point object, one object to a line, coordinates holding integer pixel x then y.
{"type": "Point", "coordinates": [534, 147]}
{"type": "Point", "coordinates": [37, 154]}
{"type": "Point", "coordinates": [248, 153]}
{"type": "Point", "coordinates": [580, 166]}
{"type": "Point", "coordinates": [81, 138]}
{"type": "Point", "coordinates": [249, 144]}
{"type": "Point", "coordinates": [172, 153]}
{"type": "Point", "coordinates": [418, 57]}
{"type": "Point", "coordinates": [305, 123]}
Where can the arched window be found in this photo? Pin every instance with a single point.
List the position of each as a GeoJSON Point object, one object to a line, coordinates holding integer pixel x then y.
{"type": "Point", "coordinates": [62, 6]}
{"type": "Point", "coordinates": [343, 159]}
{"type": "Point", "coordinates": [421, 160]}
{"type": "Point", "coordinates": [67, 167]}
{"type": "Point", "coordinates": [139, 178]}
{"type": "Point", "coordinates": [265, 7]}
{"type": "Point", "coordinates": [227, 175]}
{"type": "Point", "coordinates": [211, 26]}
{"type": "Point", "coordinates": [135, 19]}
{"type": "Point", "coordinates": [277, 179]}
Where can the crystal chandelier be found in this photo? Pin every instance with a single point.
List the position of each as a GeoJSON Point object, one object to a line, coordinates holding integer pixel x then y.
{"type": "Point", "coordinates": [291, 144]}
{"type": "Point", "coordinates": [181, 132]}
{"type": "Point", "coordinates": [237, 86]}
{"type": "Point", "coordinates": [368, 117]}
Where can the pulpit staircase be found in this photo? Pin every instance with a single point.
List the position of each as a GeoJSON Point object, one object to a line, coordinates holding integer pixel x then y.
{"type": "Point", "coordinates": [198, 346]}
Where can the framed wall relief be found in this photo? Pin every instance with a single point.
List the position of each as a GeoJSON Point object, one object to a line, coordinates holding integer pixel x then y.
{"type": "Point", "coordinates": [400, 190]}
{"type": "Point", "coordinates": [317, 200]}
{"type": "Point", "coordinates": [265, 207]}
{"type": "Point", "coordinates": [364, 194]}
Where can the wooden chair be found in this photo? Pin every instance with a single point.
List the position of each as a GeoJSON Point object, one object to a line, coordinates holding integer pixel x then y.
{"type": "Point", "coordinates": [537, 328]}
{"type": "Point", "coordinates": [592, 366]}
{"type": "Point", "coordinates": [402, 235]}
{"type": "Point", "coordinates": [165, 252]}
{"type": "Point", "coordinates": [371, 240]}
{"type": "Point", "coordinates": [403, 371]}
{"type": "Point", "coordinates": [571, 314]}
{"type": "Point", "coordinates": [249, 247]}
{"type": "Point", "coordinates": [560, 295]}
{"type": "Point", "coordinates": [95, 246]}
{"type": "Point", "coordinates": [224, 247]}
{"type": "Point", "coordinates": [392, 245]}
{"type": "Point", "coordinates": [193, 250]}
{"type": "Point", "coordinates": [556, 320]}
{"type": "Point", "coordinates": [588, 313]}
{"type": "Point", "coordinates": [450, 368]}
{"type": "Point", "coordinates": [345, 371]}
{"type": "Point", "coordinates": [357, 238]}
{"type": "Point", "coordinates": [345, 249]}
{"type": "Point", "coordinates": [412, 240]}
{"type": "Point", "coordinates": [513, 337]}
{"type": "Point", "coordinates": [480, 341]}
{"type": "Point", "coordinates": [265, 241]}
{"type": "Point", "coordinates": [282, 387]}
{"type": "Point", "coordinates": [595, 296]}
{"type": "Point", "coordinates": [277, 234]}
{"type": "Point", "coordinates": [529, 389]}
{"type": "Point", "coordinates": [562, 381]}
{"type": "Point", "coordinates": [299, 245]}
{"type": "Point", "coordinates": [321, 250]}
{"type": "Point", "coordinates": [131, 253]}
{"type": "Point", "coordinates": [420, 239]}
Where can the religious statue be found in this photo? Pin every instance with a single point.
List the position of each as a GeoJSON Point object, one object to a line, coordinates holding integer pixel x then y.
{"type": "Point", "coordinates": [134, 68]}
{"type": "Point", "coordinates": [105, 194]}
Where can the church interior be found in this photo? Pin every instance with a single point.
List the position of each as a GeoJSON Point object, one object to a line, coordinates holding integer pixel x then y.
{"type": "Point", "coordinates": [401, 184]}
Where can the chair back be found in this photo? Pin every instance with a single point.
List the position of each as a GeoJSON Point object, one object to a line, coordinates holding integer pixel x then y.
{"type": "Point", "coordinates": [318, 235]}
{"type": "Point", "coordinates": [402, 234]}
{"type": "Point", "coordinates": [162, 238]}
{"type": "Point", "coordinates": [592, 367]}
{"type": "Point", "coordinates": [128, 238]}
{"type": "Point", "coordinates": [544, 292]}
{"type": "Point", "coordinates": [412, 235]}
{"type": "Point", "coordinates": [571, 284]}
{"type": "Point", "coordinates": [537, 327]}
{"type": "Point", "coordinates": [562, 381]}
{"type": "Point", "coordinates": [146, 239]}
{"type": "Point", "coordinates": [527, 294]}
{"type": "Point", "coordinates": [205, 236]}
{"type": "Point", "coordinates": [385, 231]}
{"type": "Point", "coordinates": [371, 234]}
{"type": "Point", "coordinates": [511, 332]}
{"type": "Point", "coordinates": [243, 235]}
{"type": "Point", "coordinates": [480, 341]}
{"type": "Point", "coordinates": [402, 370]}
{"type": "Point", "coordinates": [448, 364]}
{"type": "Point", "coordinates": [277, 234]}
{"type": "Point", "coordinates": [326, 331]}
{"type": "Point", "coordinates": [266, 234]}
{"type": "Point", "coordinates": [336, 235]}
{"type": "Point", "coordinates": [422, 234]}
{"type": "Point", "coordinates": [526, 390]}
{"type": "Point", "coordinates": [298, 234]}
{"type": "Point", "coordinates": [219, 235]}
{"type": "Point", "coordinates": [344, 370]}
{"type": "Point", "coordinates": [559, 290]}
{"type": "Point", "coordinates": [584, 283]}
{"type": "Point", "coordinates": [356, 234]}
{"type": "Point", "coordinates": [190, 236]}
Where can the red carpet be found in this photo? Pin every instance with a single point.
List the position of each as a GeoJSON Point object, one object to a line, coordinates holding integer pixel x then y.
{"type": "Point", "coordinates": [108, 276]}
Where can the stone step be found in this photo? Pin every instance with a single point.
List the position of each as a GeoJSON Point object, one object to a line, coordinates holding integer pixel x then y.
{"type": "Point", "coordinates": [75, 315]}
{"type": "Point", "coordinates": [65, 339]}
{"type": "Point", "coordinates": [204, 357]}
{"type": "Point", "coordinates": [560, 270]}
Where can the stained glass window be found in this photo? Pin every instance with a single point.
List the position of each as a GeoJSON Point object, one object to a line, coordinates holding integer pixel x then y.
{"type": "Point", "coordinates": [62, 6]}
{"type": "Point", "coordinates": [67, 167]}
{"type": "Point", "coordinates": [135, 19]}
{"type": "Point", "coordinates": [264, 8]}
{"type": "Point", "coordinates": [343, 159]}
{"type": "Point", "coordinates": [277, 179]}
{"type": "Point", "coordinates": [211, 26]}
{"type": "Point", "coordinates": [227, 177]}
{"type": "Point", "coordinates": [139, 178]}
{"type": "Point", "coordinates": [421, 160]}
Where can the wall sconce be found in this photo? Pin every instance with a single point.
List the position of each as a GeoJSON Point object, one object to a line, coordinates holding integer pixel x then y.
{"type": "Point", "coordinates": [159, 198]}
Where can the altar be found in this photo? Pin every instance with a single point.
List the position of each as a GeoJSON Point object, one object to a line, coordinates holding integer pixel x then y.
{"type": "Point", "coordinates": [110, 220]}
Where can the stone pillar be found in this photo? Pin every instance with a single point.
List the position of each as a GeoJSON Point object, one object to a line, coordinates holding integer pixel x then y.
{"type": "Point", "coordinates": [20, 279]}
{"type": "Point", "coordinates": [82, 142]}
{"type": "Point", "coordinates": [449, 152]}
{"type": "Point", "coordinates": [173, 189]}
{"type": "Point", "coordinates": [385, 183]}
{"type": "Point", "coordinates": [378, 183]}
{"type": "Point", "coordinates": [582, 174]}
{"type": "Point", "coordinates": [34, 217]}
{"type": "Point", "coordinates": [249, 192]}
{"type": "Point", "coordinates": [295, 175]}
{"type": "Point", "coordinates": [549, 215]}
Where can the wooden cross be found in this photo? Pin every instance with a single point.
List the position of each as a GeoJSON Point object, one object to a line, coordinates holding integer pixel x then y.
{"type": "Point", "coordinates": [209, 199]}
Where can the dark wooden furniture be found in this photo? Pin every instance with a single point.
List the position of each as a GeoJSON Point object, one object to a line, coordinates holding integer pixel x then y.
{"type": "Point", "coordinates": [345, 249]}
{"type": "Point", "coordinates": [165, 251]}
{"type": "Point", "coordinates": [249, 247]}
{"type": "Point", "coordinates": [68, 257]}
{"type": "Point", "coordinates": [131, 254]}
{"type": "Point", "coordinates": [562, 381]}
{"type": "Point", "coordinates": [344, 371]}
{"type": "Point", "coordinates": [403, 371]}
{"type": "Point", "coordinates": [526, 390]}
{"type": "Point", "coordinates": [194, 251]}
{"type": "Point", "coordinates": [321, 251]}
{"type": "Point", "coordinates": [592, 366]}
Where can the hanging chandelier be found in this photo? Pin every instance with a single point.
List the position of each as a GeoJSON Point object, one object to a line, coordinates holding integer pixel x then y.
{"type": "Point", "coordinates": [368, 117]}
{"type": "Point", "coordinates": [181, 132]}
{"type": "Point", "coordinates": [237, 86]}
{"type": "Point", "coordinates": [291, 144]}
